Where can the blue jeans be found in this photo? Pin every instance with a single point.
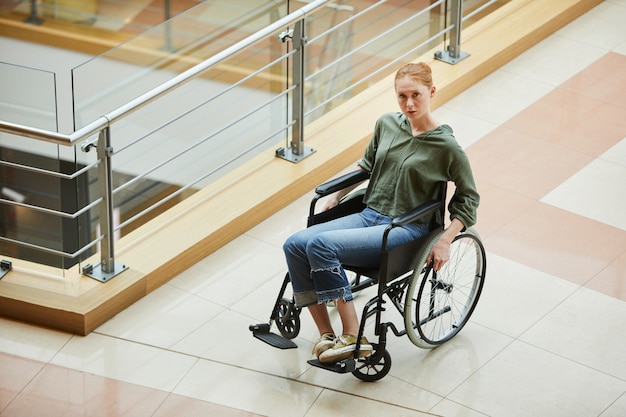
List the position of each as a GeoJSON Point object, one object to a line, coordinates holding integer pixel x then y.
{"type": "Point", "coordinates": [315, 255]}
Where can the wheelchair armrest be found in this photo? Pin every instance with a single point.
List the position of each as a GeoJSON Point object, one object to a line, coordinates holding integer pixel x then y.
{"type": "Point", "coordinates": [342, 182]}
{"type": "Point", "coordinates": [420, 211]}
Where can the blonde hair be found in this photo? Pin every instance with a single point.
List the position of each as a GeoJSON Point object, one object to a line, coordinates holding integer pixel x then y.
{"type": "Point", "coordinates": [419, 72]}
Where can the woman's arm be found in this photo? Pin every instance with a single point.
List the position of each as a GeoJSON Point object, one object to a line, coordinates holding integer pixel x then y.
{"type": "Point", "coordinates": [440, 253]}
{"type": "Point", "coordinates": [334, 199]}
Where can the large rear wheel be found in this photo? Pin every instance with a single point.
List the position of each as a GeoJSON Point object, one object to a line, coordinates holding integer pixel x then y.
{"type": "Point", "coordinates": [438, 304]}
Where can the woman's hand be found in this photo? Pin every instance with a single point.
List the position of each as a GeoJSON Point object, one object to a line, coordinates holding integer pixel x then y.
{"type": "Point", "coordinates": [333, 200]}
{"type": "Point", "coordinates": [440, 253]}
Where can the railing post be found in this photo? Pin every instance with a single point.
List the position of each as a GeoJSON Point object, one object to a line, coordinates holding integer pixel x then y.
{"type": "Point", "coordinates": [108, 268]}
{"type": "Point", "coordinates": [297, 151]}
{"type": "Point", "coordinates": [34, 16]}
{"type": "Point", "coordinates": [168, 27]}
{"type": "Point", "coordinates": [453, 53]}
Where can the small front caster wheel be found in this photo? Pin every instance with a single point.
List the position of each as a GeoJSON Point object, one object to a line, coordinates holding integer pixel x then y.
{"type": "Point", "coordinates": [373, 367]}
{"type": "Point", "coordinates": [288, 319]}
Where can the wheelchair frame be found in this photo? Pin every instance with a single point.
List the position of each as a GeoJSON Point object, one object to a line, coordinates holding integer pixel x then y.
{"type": "Point", "coordinates": [428, 301]}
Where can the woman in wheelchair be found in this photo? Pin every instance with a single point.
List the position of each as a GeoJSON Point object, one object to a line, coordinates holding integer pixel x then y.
{"type": "Point", "coordinates": [408, 156]}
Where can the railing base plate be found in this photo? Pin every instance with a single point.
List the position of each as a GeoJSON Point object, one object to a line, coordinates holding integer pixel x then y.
{"type": "Point", "coordinates": [292, 157]}
{"type": "Point", "coordinates": [446, 57]}
{"type": "Point", "coordinates": [5, 267]}
{"type": "Point", "coordinates": [99, 275]}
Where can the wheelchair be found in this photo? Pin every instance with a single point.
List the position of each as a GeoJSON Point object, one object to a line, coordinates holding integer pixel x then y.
{"type": "Point", "coordinates": [434, 305]}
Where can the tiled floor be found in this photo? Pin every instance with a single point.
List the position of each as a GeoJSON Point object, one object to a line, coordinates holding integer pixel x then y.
{"type": "Point", "coordinates": [546, 135]}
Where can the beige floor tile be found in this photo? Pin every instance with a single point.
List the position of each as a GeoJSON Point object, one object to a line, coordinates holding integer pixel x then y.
{"type": "Point", "coordinates": [30, 341]}
{"type": "Point", "coordinates": [390, 389]}
{"type": "Point", "coordinates": [498, 97]}
{"type": "Point", "coordinates": [515, 296]}
{"type": "Point", "coordinates": [444, 368]}
{"type": "Point", "coordinates": [450, 408]}
{"type": "Point", "coordinates": [617, 409]}
{"type": "Point", "coordinates": [243, 389]}
{"type": "Point", "coordinates": [596, 192]}
{"type": "Point", "coordinates": [524, 380]}
{"type": "Point", "coordinates": [617, 154]}
{"type": "Point", "coordinates": [554, 60]}
{"type": "Point", "coordinates": [228, 340]}
{"type": "Point", "coordinates": [277, 228]}
{"type": "Point", "coordinates": [125, 361]}
{"type": "Point", "coordinates": [258, 304]}
{"type": "Point", "coordinates": [162, 318]}
{"type": "Point", "coordinates": [588, 328]}
{"type": "Point", "coordinates": [232, 272]}
{"type": "Point", "coordinates": [600, 27]}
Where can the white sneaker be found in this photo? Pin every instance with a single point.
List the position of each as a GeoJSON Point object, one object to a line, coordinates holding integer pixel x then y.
{"type": "Point", "coordinates": [344, 349]}
{"type": "Point", "coordinates": [326, 341]}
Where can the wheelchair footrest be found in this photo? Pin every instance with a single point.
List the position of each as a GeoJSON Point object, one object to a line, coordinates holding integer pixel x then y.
{"type": "Point", "coordinates": [273, 339]}
{"type": "Point", "coordinates": [343, 367]}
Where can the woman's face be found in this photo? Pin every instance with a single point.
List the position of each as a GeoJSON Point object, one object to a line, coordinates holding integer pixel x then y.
{"type": "Point", "coordinates": [413, 97]}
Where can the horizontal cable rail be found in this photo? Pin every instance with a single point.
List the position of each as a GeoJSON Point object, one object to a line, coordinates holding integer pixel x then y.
{"type": "Point", "coordinates": [47, 171]}
{"type": "Point", "coordinates": [478, 10]}
{"type": "Point", "coordinates": [58, 213]}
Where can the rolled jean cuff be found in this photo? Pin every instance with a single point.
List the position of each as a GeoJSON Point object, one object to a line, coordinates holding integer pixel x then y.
{"type": "Point", "coordinates": [335, 294]}
{"type": "Point", "coordinates": [305, 298]}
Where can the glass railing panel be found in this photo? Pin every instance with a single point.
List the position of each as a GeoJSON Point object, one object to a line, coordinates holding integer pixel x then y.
{"type": "Point", "coordinates": [164, 51]}
{"type": "Point", "coordinates": [28, 96]}
{"type": "Point", "coordinates": [355, 44]}
{"type": "Point", "coordinates": [165, 152]}
{"type": "Point", "coordinates": [36, 187]}
{"type": "Point", "coordinates": [34, 181]}
{"type": "Point", "coordinates": [223, 118]}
